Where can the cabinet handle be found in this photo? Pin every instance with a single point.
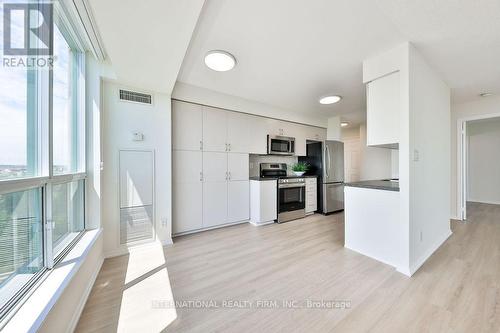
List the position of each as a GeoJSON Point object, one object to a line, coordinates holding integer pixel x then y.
{"type": "Point", "coordinates": [201, 145]}
{"type": "Point", "coordinates": [229, 175]}
{"type": "Point", "coordinates": [226, 146]}
{"type": "Point", "coordinates": [201, 176]}
{"type": "Point", "coordinates": [229, 147]}
{"type": "Point", "coordinates": [226, 175]}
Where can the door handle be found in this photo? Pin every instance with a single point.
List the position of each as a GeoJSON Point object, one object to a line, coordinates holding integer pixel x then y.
{"type": "Point", "coordinates": [327, 155]}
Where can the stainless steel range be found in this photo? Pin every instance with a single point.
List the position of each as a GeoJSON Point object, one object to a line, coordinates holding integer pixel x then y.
{"type": "Point", "coordinates": [291, 191]}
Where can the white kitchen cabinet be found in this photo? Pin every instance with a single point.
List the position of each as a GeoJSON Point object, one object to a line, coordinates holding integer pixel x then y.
{"type": "Point", "coordinates": [214, 167]}
{"type": "Point", "coordinates": [214, 204]}
{"type": "Point", "coordinates": [311, 195]}
{"type": "Point", "coordinates": [299, 132]}
{"type": "Point", "coordinates": [263, 201]}
{"type": "Point", "coordinates": [238, 132]}
{"type": "Point", "coordinates": [383, 109]}
{"type": "Point", "coordinates": [238, 201]}
{"type": "Point", "coordinates": [315, 133]}
{"type": "Point", "coordinates": [214, 129]}
{"type": "Point", "coordinates": [187, 190]}
{"type": "Point", "coordinates": [187, 204]}
{"type": "Point", "coordinates": [238, 166]}
{"type": "Point", "coordinates": [186, 126]}
{"type": "Point", "coordinates": [259, 129]}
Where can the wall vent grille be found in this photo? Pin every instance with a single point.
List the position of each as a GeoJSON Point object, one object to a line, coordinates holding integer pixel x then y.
{"type": "Point", "coordinates": [136, 97]}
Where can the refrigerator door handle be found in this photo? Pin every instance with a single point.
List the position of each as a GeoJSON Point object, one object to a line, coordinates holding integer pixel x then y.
{"type": "Point", "coordinates": [328, 168]}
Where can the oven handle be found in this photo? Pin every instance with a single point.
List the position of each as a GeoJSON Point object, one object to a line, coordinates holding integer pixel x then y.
{"type": "Point", "coordinates": [291, 185]}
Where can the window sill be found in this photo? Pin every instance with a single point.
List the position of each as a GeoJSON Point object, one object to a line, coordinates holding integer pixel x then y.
{"type": "Point", "coordinates": [33, 311]}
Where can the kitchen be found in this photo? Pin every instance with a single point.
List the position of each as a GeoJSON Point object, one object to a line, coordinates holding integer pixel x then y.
{"type": "Point", "coordinates": [232, 167]}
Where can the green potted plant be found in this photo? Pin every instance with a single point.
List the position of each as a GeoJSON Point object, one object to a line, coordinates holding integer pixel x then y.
{"type": "Point", "coordinates": [300, 168]}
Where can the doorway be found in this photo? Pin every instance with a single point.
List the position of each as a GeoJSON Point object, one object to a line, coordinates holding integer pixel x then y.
{"type": "Point", "coordinates": [478, 161]}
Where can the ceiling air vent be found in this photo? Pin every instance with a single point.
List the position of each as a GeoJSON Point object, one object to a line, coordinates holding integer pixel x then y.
{"type": "Point", "coordinates": [136, 97]}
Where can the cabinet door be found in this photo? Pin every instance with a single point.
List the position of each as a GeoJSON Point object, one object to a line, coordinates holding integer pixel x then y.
{"type": "Point", "coordinates": [299, 132]}
{"type": "Point", "coordinates": [383, 108]}
{"type": "Point", "coordinates": [214, 129]}
{"type": "Point", "coordinates": [238, 166]}
{"type": "Point", "coordinates": [238, 206]}
{"type": "Point", "coordinates": [214, 167]}
{"type": "Point", "coordinates": [214, 204]}
{"type": "Point", "coordinates": [186, 126]}
{"type": "Point", "coordinates": [187, 191]}
{"type": "Point", "coordinates": [259, 129]}
{"type": "Point", "coordinates": [187, 207]}
{"type": "Point", "coordinates": [238, 132]}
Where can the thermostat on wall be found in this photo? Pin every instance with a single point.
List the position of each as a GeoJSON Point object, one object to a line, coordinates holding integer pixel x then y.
{"type": "Point", "coordinates": [138, 136]}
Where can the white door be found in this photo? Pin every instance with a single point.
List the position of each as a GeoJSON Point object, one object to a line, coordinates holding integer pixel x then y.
{"type": "Point", "coordinates": [238, 166]}
{"type": "Point", "coordinates": [238, 206]}
{"type": "Point", "coordinates": [186, 126]}
{"type": "Point", "coordinates": [214, 203]}
{"type": "Point", "coordinates": [238, 132]}
{"type": "Point", "coordinates": [187, 190]}
{"type": "Point", "coordinates": [215, 167]}
{"type": "Point", "coordinates": [214, 129]}
{"type": "Point", "coordinates": [352, 153]}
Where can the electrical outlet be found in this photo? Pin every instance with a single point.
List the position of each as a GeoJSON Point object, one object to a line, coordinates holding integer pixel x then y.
{"type": "Point", "coordinates": [416, 155]}
{"type": "Point", "coordinates": [164, 222]}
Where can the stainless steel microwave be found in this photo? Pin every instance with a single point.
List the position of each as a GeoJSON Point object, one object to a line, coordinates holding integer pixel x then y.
{"type": "Point", "coordinates": [280, 145]}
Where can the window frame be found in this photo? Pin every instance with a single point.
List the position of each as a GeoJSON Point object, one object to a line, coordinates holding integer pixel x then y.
{"type": "Point", "coordinates": [41, 158]}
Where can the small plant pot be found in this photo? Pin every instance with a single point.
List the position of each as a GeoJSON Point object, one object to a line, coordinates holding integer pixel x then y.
{"type": "Point", "coordinates": [299, 173]}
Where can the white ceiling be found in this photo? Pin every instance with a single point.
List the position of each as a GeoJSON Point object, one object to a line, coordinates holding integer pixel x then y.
{"type": "Point", "coordinates": [146, 40]}
{"type": "Point", "coordinates": [291, 52]}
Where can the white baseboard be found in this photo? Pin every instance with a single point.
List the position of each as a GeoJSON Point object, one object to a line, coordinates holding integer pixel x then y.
{"type": "Point", "coordinates": [123, 250]}
{"type": "Point", "coordinates": [85, 296]}
{"type": "Point", "coordinates": [261, 223]}
{"type": "Point", "coordinates": [429, 252]}
{"type": "Point", "coordinates": [484, 201]}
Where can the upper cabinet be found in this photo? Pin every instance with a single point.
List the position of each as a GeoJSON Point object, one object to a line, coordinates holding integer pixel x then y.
{"type": "Point", "coordinates": [187, 120]}
{"type": "Point", "coordinates": [214, 129]}
{"type": "Point", "coordinates": [209, 129]}
{"type": "Point", "coordinates": [383, 97]}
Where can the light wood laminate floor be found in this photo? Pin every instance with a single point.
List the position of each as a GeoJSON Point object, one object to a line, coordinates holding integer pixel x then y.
{"type": "Point", "coordinates": [457, 290]}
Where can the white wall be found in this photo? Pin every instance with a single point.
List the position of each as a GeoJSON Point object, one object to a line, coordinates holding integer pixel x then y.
{"type": "Point", "coordinates": [375, 163]}
{"type": "Point", "coordinates": [120, 120]}
{"type": "Point", "coordinates": [430, 172]}
{"type": "Point", "coordinates": [204, 96]}
{"type": "Point", "coordinates": [484, 161]}
{"type": "Point", "coordinates": [334, 131]}
{"type": "Point", "coordinates": [483, 107]}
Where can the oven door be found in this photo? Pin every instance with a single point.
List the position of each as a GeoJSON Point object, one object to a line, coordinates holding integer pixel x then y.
{"type": "Point", "coordinates": [291, 197]}
{"type": "Point", "coordinates": [280, 145]}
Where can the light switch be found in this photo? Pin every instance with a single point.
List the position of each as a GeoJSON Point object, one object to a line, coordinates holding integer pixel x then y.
{"type": "Point", "coordinates": [416, 155]}
{"type": "Point", "coordinates": [138, 136]}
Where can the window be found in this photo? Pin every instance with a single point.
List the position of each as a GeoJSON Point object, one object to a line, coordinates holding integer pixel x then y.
{"type": "Point", "coordinates": [42, 173]}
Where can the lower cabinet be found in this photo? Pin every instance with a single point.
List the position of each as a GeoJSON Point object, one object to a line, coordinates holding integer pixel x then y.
{"type": "Point", "coordinates": [238, 201]}
{"type": "Point", "coordinates": [214, 204]}
{"type": "Point", "coordinates": [311, 195]}
{"type": "Point", "coordinates": [209, 189]}
{"type": "Point", "coordinates": [187, 207]}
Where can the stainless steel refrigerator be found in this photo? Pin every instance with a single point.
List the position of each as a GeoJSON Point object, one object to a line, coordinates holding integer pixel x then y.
{"type": "Point", "coordinates": [326, 161]}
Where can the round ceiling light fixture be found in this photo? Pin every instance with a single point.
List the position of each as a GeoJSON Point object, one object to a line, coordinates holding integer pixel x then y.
{"type": "Point", "coordinates": [220, 61]}
{"type": "Point", "coordinates": [329, 99]}
{"type": "Point", "coordinates": [486, 94]}
{"type": "Point", "coordinates": [344, 124]}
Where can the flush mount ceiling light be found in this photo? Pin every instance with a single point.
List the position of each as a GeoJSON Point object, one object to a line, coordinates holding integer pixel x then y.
{"type": "Point", "coordinates": [220, 61]}
{"type": "Point", "coordinates": [486, 94]}
{"type": "Point", "coordinates": [344, 124]}
{"type": "Point", "coordinates": [329, 99]}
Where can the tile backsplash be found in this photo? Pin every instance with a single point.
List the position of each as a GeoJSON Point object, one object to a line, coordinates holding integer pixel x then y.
{"type": "Point", "coordinates": [255, 161]}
